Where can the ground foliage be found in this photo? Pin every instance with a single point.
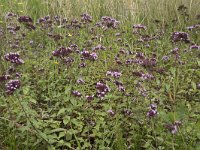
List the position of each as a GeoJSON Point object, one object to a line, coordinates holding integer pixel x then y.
{"type": "Point", "coordinates": [81, 83]}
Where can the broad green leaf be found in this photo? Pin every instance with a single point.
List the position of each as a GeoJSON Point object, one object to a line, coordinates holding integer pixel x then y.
{"type": "Point", "coordinates": [66, 120]}
{"type": "Point", "coordinates": [61, 111]}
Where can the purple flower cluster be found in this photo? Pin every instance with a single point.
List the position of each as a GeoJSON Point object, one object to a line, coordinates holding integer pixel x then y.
{"type": "Point", "coordinates": [68, 60]}
{"type": "Point", "coordinates": [82, 65]}
{"type": "Point", "coordinates": [175, 50]}
{"type": "Point", "coordinates": [25, 19]}
{"type": "Point", "coordinates": [86, 18]}
{"type": "Point", "coordinates": [195, 47]}
{"type": "Point", "coordinates": [76, 94]}
{"type": "Point", "coordinates": [43, 20]}
{"type": "Point", "coordinates": [75, 48]}
{"type": "Point", "coordinates": [140, 59]}
{"type": "Point", "coordinates": [102, 89]}
{"type": "Point", "coordinates": [80, 81]}
{"type": "Point", "coordinates": [9, 15]}
{"type": "Point", "coordinates": [62, 51]}
{"type": "Point", "coordinates": [173, 128]}
{"type": "Point", "coordinates": [149, 62]}
{"type": "Point", "coordinates": [115, 74]}
{"type": "Point", "coordinates": [89, 97]}
{"type": "Point", "coordinates": [111, 112]}
{"type": "Point", "coordinates": [139, 26]}
{"type": "Point", "coordinates": [13, 58]}
{"type": "Point", "coordinates": [143, 62]}
{"type": "Point", "coordinates": [152, 111]}
{"type": "Point", "coordinates": [56, 37]}
{"type": "Point", "coordinates": [99, 47]}
{"type": "Point", "coordinates": [147, 76]}
{"type": "Point", "coordinates": [11, 86]}
{"type": "Point", "coordinates": [165, 58]}
{"type": "Point", "coordinates": [193, 27]}
{"type": "Point", "coordinates": [88, 55]}
{"type": "Point", "coordinates": [180, 36]}
{"type": "Point", "coordinates": [4, 77]}
{"type": "Point", "coordinates": [127, 112]}
{"type": "Point", "coordinates": [74, 23]}
{"type": "Point", "coordinates": [108, 22]}
{"type": "Point", "coordinates": [120, 86]}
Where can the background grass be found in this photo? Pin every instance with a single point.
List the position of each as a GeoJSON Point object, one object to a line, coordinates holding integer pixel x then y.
{"type": "Point", "coordinates": [123, 10]}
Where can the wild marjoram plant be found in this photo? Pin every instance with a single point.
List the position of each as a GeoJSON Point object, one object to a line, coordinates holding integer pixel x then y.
{"type": "Point", "coordinates": [99, 74]}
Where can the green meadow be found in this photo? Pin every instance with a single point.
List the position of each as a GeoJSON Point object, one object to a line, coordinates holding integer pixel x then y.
{"type": "Point", "coordinates": [99, 75]}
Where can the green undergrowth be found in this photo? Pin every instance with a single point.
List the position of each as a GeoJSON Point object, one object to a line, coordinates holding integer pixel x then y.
{"type": "Point", "coordinates": [151, 101]}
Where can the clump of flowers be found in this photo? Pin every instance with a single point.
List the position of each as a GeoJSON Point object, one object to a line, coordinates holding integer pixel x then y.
{"type": "Point", "coordinates": [10, 15]}
{"type": "Point", "coordinates": [102, 89]}
{"type": "Point", "coordinates": [108, 22]}
{"type": "Point", "coordinates": [82, 65]}
{"type": "Point", "coordinates": [120, 86]}
{"type": "Point", "coordinates": [62, 51]}
{"type": "Point", "coordinates": [4, 77]}
{"type": "Point", "coordinates": [13, 58]}
{"type": "Point", "coordinates": [25, 19]}
{"type": "Point", "coordinates": [89, 97]}
{"type": "Point", "coordinates": [152, 111]}
{"type": "Point", "coordinates": [147, 76]}
{"type": "Point", "coordinates": [193, 27]}
{"type": "Point", "coordinates": [111, 112]}
{"type": "Point", "coordinates": [91, 56]}
{"type": "Point", "coordinates": [194, 47]}
{"type": "Point", "coordinates": [139, 26]}
{"type": "Point", "coordinates": [80, 81]}
{"type": "Point", "coordinates": [75, 48]}
{"type": "Point", "coordinates": [143, 61]}
{"type": "Point", "coordinates": [28, 22]}
{"type": "Point", "coordinates": [175, 50]}
{"type": "Point", "coordinates": [173, 128]}
{"type": "Point", "coordinates": [99, 47]}
{"type": "Point", "coordinates": [86, 18]}
{"type": "Point", "coordinates": [165, 58]}
{"type": "Point", "coordinates": [76, 93]}
{"type": "Point", "coordinates": [127, 112]}
{"type": "Point", "coordinates": [115, 74]}
{"type": "Point", "coordinates": [180, 36]}
{"type": "Point", "coordinates": [68, 60]}
{"type": "Point", "coordinates": [149, 62]}
{"type": "Point", "coordinates": [11, 86]}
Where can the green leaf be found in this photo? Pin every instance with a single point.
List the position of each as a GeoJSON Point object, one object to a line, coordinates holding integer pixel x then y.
{"type": "Point", "coordinates": [73, 101]}
{"type": "Point", "coordinates": [61, 111]}
{"type": "Point", "coordinates": [66, 120]}
{"type": "Point", "coordinates": [26, 90]}
{"type": "Point", "coordinates": [194, 86]}
{"type": "Point", "coordinates": [33, 100]}
{"type": "Point", "coordinates": [57, 130]}
{"type": "Point", "coordinates": [61, 134]}
{"type": "Point", "coordinates": [197, 146]}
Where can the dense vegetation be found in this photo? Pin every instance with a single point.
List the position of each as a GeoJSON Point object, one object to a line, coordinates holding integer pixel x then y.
{"type": "Point", "coordinates": [100, 75]}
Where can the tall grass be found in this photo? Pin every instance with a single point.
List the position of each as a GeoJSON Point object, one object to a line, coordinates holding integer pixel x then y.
{"type": "Point", "coordinates": [124, 10]}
